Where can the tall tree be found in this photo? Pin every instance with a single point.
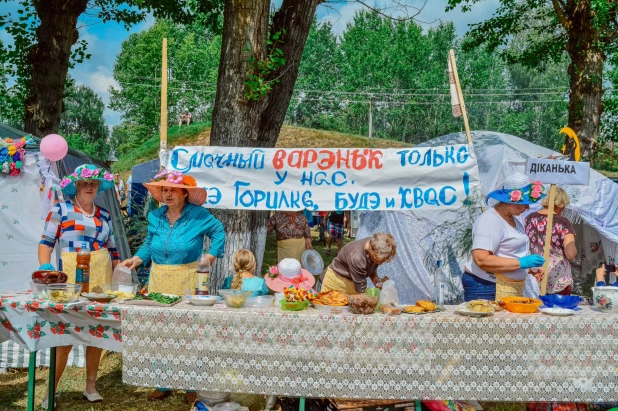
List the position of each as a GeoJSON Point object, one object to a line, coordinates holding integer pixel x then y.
{"type": "Point", "coordinates": [586, 29]}
{"type": "Point", "coordinates": [82, 121]}
{"type": "Point", "coordinates": [193, 60]}
{"type": "Point", "coordinates": [46, 44]}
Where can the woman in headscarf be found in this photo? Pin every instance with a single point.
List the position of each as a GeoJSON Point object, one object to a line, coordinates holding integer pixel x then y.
{"type": "Point", "coordinates": [175, 239]}
{"type": "Point", "coordinates": [500, 260]}
{"type": "Point", "coordinates": [69, 225]}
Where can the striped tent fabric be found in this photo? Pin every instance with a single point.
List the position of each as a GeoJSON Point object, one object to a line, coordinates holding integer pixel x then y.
{"type": "Point", "coordinates": [13, 355]}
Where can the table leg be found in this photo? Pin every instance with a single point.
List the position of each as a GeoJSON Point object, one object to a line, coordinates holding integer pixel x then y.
{"type": "Point", "coordinates": [418, 405]}
{"type": "Point", "coordinates": [51, 390]}
{"type": "Point", "coordinates": [301, 405]}
{"type": "Point", "coordinates": [31, 379]}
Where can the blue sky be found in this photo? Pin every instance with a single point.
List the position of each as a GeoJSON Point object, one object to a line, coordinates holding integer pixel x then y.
{"type": "Point", "coordinates": [105, 39]}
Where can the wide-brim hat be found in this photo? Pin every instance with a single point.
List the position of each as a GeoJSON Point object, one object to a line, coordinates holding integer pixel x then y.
{"type": "Point", "coordinates": [175, 179]}
{"type": "Point", "coordinates": [290, 272]}
{"type": "Point", "coordinates": [518, 189]}
{"type": "Point", "coordinates": [86, 172]}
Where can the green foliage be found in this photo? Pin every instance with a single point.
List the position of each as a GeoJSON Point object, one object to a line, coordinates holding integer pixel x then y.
{"type": "Point", "coordinates": [402, 71]}
{"type": "Point", "coordinates": [82, 121]}
{"type": "Point", "coordinates": [259, 81]}
{"type": "Point", "coordinates": [193, 61]}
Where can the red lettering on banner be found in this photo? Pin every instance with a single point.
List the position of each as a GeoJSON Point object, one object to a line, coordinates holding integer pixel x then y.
{"type": "Point", "coordinates": [344, 160]}
{"type": "Point", "coordinates": [295, 158]}
{"type": "Point", "coordinates": [309, 157]}
{"type": "Point", "coordinates": [278, 159]}
{"type": "Point", "coordinates": [359, 161]}
{"type": "Point", "coordinates": [328, 161]}
{"type": "Point", "coordinates": [375, 159]}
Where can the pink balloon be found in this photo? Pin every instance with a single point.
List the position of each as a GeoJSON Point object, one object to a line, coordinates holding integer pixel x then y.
{"type": "Point", "coordinates": [54, 147]}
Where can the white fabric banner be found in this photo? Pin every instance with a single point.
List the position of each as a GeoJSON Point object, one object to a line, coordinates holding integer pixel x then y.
{"type": "Point", "coordinates": [331, 178]}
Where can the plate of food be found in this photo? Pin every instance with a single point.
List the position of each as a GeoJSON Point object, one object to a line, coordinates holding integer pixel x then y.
{"type": "Point", "coordinates": [521, 305]}
{"type": "Point", "coordinates": [476, 308]}
{"type": "Point", "coordinates": [99, 297]}
{"type": "Point", "coordinates": [422, 307]}
{"type": "Point", "coordinates": [155, 300]}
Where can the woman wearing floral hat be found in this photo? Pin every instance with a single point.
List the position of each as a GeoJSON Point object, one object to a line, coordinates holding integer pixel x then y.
{"type": "Point", "coordinates": [175, 239]}
{"type": "Point", "coordinates": [500, 260]}
{"type": "Point", "coordinates": [70, 224]}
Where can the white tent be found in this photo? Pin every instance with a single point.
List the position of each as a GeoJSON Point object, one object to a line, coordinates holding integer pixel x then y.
{"type": "Point", "coordinates": [424, 237]}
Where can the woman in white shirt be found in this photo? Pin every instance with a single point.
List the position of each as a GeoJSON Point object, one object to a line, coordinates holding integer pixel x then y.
{"type": "Point", "coordinates": [500, 260]}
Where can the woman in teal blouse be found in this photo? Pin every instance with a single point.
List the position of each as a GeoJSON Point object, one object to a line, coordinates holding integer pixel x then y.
{"type": "Point", "coordinates": [175, 239]}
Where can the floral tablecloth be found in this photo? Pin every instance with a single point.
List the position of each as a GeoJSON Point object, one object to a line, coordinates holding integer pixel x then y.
{"type": "Point", "coordinates": [36, 324]}
{"type": "Point", "coordinates": [506, 357]}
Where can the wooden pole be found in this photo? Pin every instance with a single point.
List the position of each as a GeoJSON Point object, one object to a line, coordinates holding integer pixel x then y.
{"type": "Point", "coordinates": [163, 127]}
{"type": "Point", "coordinates": [550, 224]}
{"type": "Point", "coordinates": [464, 112]}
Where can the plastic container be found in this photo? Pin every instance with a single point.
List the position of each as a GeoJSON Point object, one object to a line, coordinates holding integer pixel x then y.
{"type": "Point", "coordinates": [562, 301]}
{"type": "Point", "coordinates": [64, 293]}
{"type": "Point", "coordinates": [235, 298]}
{"type": "Point", "coordinates": [212, 398]}
{"type": "Point", "coordinates": [332, 309]}
{"type": "Point", "coordinates": [264, 301]}
{"type": "Point", "coordinates": [122, 275]}
{"type": "Point", "coordinates": [362, 304]}
{"type": "Point", "coordinates": [227, 406]}
{"type": "Point", "coordinates": [295, 306]}
{"type": "Point", "coordinates": [511, 304]}
{"type": "Point", "coordinates": [202, 300]}
{"type": "Point", "coordinates": [278, 298]}
{"type": "Point", "coordinates": [38, 289]}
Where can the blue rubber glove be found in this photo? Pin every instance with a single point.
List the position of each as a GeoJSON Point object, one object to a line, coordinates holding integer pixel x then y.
{"type": "Point", "coordinates": [531, 261]}
{"type": "Point", "coordinates": [47, 266]}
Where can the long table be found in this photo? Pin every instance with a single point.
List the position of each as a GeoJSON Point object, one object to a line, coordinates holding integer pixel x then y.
{"type": "Point", "coordinates": [37, 324]}
{"type": "Point", "coordinates": [505, 357]}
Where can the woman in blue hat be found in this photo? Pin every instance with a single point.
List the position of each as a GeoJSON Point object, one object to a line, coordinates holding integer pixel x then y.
{"type": "Point", "coordinates": [500, 260]}
{"type": "Point", "coordinates": [70, 225]}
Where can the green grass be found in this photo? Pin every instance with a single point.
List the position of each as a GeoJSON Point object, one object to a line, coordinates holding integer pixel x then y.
{"type": "Point", "coordinates": [149, 150]}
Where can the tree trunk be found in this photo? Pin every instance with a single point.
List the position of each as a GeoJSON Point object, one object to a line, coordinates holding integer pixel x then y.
{"type": "Point", "coordinates": [240, 123]}
{"type": "Point", "coordinates": [49, 60]}
{"type": "Point", "coordinates": [586, 79]}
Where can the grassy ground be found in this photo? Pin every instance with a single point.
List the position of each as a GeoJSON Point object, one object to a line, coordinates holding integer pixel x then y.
{"type": "Point", "coordinates": [121, 397]}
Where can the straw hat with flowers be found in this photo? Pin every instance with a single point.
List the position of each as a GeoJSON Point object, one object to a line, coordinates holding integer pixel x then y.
{"type": "Point", "coordinates": [176, 179]}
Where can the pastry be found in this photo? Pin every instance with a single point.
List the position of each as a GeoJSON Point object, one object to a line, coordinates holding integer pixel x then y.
{"type": "Point", "coordinates": [413, 309]}
{"type": "Point", "coordinates": [427, 305]}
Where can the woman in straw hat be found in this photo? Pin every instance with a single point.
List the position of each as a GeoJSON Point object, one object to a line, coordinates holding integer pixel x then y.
{"type": "Point", "coordinates": [175, 239]}
{"type": "Point", "coordinates": [69, 225]}
{"type": "Point", "coordinates": [500, 260]}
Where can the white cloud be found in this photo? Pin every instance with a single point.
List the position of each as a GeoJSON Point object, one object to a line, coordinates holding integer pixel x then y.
{"type": "Point", "coordinates": [101, 80]}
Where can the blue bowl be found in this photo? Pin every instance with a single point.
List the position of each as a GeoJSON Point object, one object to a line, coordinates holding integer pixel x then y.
{"type": "Point", "coordinates": [562, 301]}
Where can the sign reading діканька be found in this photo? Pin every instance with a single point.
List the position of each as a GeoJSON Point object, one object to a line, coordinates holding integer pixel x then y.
{"type": "Point", "coordinates": [331, 178]}
{"type": "Point", "coordinates": [558, 172]}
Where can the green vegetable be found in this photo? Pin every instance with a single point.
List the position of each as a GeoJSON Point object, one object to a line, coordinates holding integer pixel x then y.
{"type": "Point", "coordinates": [163, 299]}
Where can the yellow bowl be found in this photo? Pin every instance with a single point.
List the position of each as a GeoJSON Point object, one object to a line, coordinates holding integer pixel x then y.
{"type": "Point", "coordinates": [511, 304]}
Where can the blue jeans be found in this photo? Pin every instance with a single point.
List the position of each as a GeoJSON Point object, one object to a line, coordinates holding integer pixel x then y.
{"type": "Point", "coordinates": [476, 288]}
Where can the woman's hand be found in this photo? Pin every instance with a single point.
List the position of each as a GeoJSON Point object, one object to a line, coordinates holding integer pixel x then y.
{"type": "Point", "coordinates": [308, 245]}
{"type": "Point", "coordinates": [211, 259]}
{"type": "Point", "coordinates": [48, 266]}
{"type": "Point", "coordinates": [538, 274]}
{"type": "Point", "coordinates": [132, 263]}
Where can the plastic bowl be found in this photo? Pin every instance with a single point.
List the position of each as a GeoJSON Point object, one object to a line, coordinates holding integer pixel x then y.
{"type": "Point", "coordinates": [235, 298]}
{"type": "Point", "coordinates": [362, 304]}
{"type": "Point", "coordinates": [207, 300]}
{"type": "Point", "coordinates": [295, 306]}
{"type": "Point", "coordinates": [38, 289]}
{"type": "Point", "coordinates": [511, 305]}
{"type": "Point", "coordinates": [49, 277]}
{"type": "Point", "coordinates": [263, 301]}
{"type": "Point", "coordinates": [562, 301]}
{"type": "Point", "coordinates": [63, 293]}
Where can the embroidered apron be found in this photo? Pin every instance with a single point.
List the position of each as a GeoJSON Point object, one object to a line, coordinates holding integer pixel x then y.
{"type": "Point", "coordinates": [176, 279]}
{"type": "Point", "coordinates": [100, 267]}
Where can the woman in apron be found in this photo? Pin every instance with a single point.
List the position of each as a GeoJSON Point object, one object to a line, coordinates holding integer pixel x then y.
{"type": "Point", "coordinates": [69, 225]}
{"type": "Point", "coordinates": [175, 239]}
{"type": "Point", "coordinates": [500, 262]}
{"type": "Point", "coordinates": [293, 234]}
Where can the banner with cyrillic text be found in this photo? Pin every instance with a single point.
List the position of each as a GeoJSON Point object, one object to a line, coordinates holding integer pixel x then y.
{"type": "Point", "coordinates": [331, 178]}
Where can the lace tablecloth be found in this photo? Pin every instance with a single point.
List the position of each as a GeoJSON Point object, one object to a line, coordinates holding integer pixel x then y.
{"type": "Point", "coordinates": [36, 324]}
{"type": "Point", "coordinates": [506, 357]}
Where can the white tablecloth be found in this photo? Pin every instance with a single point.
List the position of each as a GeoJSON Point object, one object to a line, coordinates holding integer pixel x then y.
{"type": "Point", "coordinates": [506, 357]}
